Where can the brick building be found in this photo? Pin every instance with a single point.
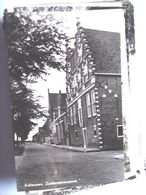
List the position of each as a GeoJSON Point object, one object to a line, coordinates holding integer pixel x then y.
{"type": "Point", "coordinates": [94, 90]}
{"type": "Point", "coordinates": [59, 130]}
{"type": "Point", "coordinates": [57, 117]}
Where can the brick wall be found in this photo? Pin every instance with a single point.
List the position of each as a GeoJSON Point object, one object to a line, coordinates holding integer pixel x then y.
{"type": "Point", "coordinates": [110, 110]}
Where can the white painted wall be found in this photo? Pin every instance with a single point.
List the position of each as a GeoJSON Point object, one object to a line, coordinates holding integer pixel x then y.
{"type": "Point", "coordinates": [137, 134]}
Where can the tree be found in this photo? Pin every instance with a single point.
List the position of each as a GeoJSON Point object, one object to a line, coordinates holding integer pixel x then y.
{"type": "Point", "coordinates": [34, 47]}
{"type": "Point", "coordinates": [24, 108]}
{"type": "Point", "coordinates": [129, 28]}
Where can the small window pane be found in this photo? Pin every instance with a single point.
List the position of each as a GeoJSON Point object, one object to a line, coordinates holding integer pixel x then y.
{"type": "Point", "coordinates": [88, 102]}
{"type": "Point", "coordinates": [93, 103]}
{"type": "Point", "coordinates": [120, 131]}
{"type": "Point", "coordinates": [74, 113]}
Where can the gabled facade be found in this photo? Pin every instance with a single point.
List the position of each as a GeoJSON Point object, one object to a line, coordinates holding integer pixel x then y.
{"type": "Point", "coordinates": [56, 104]}
{"type": "Point", "coordinates": [94, 90]}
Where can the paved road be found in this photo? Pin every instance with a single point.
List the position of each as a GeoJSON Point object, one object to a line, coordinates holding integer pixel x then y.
{"type": "Point", "coordinates": [43, 166]}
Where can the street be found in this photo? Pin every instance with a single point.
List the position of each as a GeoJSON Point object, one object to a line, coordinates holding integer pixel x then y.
{"type": "Point", "coordinates": [45, 167]}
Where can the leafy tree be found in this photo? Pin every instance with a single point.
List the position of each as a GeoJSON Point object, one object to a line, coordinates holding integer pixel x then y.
{"type": "Point", "coordinates": [34, 47]}
{"type": "Point", "coordinates": [129, 28]}
{"type": "Point", "coordinates": [24, 108]}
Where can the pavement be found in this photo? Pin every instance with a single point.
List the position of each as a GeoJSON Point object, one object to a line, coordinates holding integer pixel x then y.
{"type": "Point", "coordinates": [134, 186]}
{"type": "Point", "coordinates": [82, 149]}
{"type": "Point", "coordinates": [74, 148]}
{"type": "Point", "coordinates": [47, 167]}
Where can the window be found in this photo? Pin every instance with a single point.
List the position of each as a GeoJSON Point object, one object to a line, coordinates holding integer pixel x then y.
{"type": "Point", "coordinates": [54, 129]}
{"type": "Point", "coordinates": [79, 77]}
{"type": "Point", "coordinates": [94, 130]}
{"type": "Point", "coordinates": [80, 113]}
{"type": "Point", "coordinates": [54, 116]}
{"type": "Point", "coordinates": [93, 103]}
{"type": "Point", "coordinates": [74, 113]}
{"type": "Point", "coordinates": [57, 131]}
{"type": "Point", "coordinates": [119, 131]}
{"type": "Point", "coordinates": [71, 115]}
{"type": "Point", "coordinates": [85, 70]}
{"type": "Point", "coordinates": [61, 130]}
{"type": "Point", "coordinates": [79, 51]}
{"type": "Point", "coordinates": [76, 134]}
{"type": "Point", "coordinates": [75, 80]}
{"type": "Point", "coordinates": [59, 111]}
{"type": "Point", "coordinates": [88, 102]}
{"type": "Point", "coordinates": [80, 117]}
{"type": "Point", "coordinates": [68, 66]}
{"type": "Point", "coordinates": [73, 84]}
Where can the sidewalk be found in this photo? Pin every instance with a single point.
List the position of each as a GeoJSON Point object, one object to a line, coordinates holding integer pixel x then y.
{"type": "Point", "coordinates": [120, 154]}
{"type": "Point", "coordinates": [74, 148]}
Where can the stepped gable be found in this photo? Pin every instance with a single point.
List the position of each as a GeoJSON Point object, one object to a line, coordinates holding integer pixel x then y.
{"type": "Point", "coordinates": [105, 49]}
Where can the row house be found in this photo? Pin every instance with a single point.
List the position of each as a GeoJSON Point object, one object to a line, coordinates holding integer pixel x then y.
{"type": "Point", "coordinates": [59, 130]}
{"type": "Point", "coordinates": [93, 84]}
{"type": "Point", "coordinates": [46, 131]}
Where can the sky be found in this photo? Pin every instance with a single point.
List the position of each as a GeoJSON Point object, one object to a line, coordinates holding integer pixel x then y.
{"type": "Point", "coordinates": [108, 20]}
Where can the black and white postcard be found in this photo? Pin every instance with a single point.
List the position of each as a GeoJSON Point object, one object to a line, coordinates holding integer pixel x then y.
{"type": "Point", "coordinates": [66, 90]}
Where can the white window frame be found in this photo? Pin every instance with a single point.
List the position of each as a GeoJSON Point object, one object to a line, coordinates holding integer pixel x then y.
{"type": "Point", "coordinates": [80, 117]}
{"type": "Point", "coordinates": [85, 70]}
{"type": "Point", "coordinates": [61, 129]}
{"type": "Point", "coordinates": [76, 134]}
{"type": "Point", "coordinates": [80, 113]}
{"type": "Point", "coordinates": [94, 131]}
{"type": "Point", "coordinates": [118, 131]}
{"type": "Point", "coordinates": [93, 103]}
{"type": "Point", "coordinates": [71, 115]}
{"type": "Point", "coordinates": [80, 52]}
{"type": "Point", "coordinates": [74, 114]}
{"type": "Point", "coordinates": [88, 104]}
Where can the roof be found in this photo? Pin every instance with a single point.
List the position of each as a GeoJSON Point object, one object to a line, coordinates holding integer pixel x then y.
{"type": "Point", "coordinates": [105, 48]}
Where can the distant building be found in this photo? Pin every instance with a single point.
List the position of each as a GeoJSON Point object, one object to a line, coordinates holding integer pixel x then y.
{"type": "Point", "coordinates": [56, 104]}
{"type": "Point", "coordinates": [59, 130]}
{"type": "Point", "coordinates": [46, 131]}
{"type": "Point", "coordinates": [94, 90]}
{"type": "Point", "coordinates": [39, 137]}
{"type": "Point", "coordinates": [35, 137]}
{"type": "Point", "coordinates": [57, 117]}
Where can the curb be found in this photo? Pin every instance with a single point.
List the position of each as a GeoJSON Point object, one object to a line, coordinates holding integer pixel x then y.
{"type": "Point", "coordinates": [74, 148]}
